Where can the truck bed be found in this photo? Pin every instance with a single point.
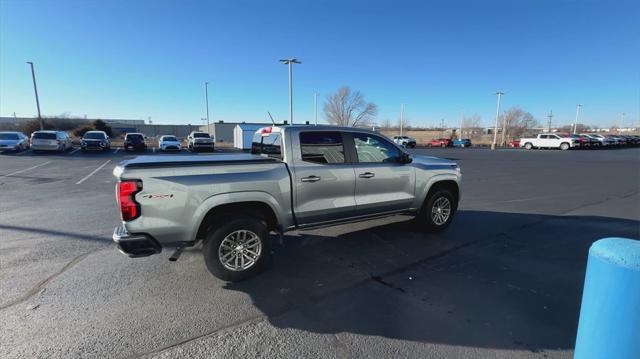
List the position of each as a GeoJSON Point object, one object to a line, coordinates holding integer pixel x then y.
{"type": "Point", "coordinates": [194, 160]}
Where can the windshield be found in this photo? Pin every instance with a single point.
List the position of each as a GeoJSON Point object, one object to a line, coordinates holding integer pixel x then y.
{"type": "Point", "coordinates": [94, 136]}
{"type": "Point", "coordinates": [201, 135]}
{"type": "Point", "coordinates": [169, 139]}
{"type": "Point", "coordinates": [9, 136]}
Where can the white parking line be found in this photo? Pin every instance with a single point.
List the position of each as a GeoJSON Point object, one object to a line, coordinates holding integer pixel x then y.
{"type": "Point", "coordinates": [154, 150]}
{"type": "Point", "coordinates": [116, 151]}
{"type": "Point", "coordinates": [25, 170]}
{"type": "Point", "coordinates": [74, 151]}
{"type": "Point", "coordinates": [93, 172]}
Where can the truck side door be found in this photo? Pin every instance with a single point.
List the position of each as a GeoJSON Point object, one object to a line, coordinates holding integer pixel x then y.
{"type": "Point", "coordinates": [383, 182]}
{"type": "Point", "coordinates": [323, 179]}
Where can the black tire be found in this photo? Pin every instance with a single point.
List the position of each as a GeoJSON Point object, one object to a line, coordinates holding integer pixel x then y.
{"type": "Point", "coordinates": [425, 218]}
{"type": "Point", "coordinates": [564, 146]}
{"type": "Point", "coordinates": [528, 146]}
{"type": "Point", "coordinates": [218, 234]}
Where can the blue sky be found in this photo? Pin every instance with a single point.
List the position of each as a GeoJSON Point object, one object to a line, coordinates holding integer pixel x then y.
{"type": "Point", "coordinates": [135, 59]}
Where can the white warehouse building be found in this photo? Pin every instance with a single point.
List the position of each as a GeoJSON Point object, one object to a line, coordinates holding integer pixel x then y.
{"type": "Point", "coordinates": [243, 135]}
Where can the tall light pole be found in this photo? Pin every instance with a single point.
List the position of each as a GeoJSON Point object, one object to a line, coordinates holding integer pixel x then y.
{"type": "Point", "coordinates": [35, 89]}
{"type": "Point", "coordinates": [550, 117]}
{"type": "Point", "coordinates": [290, 63]}
{"type": "Point", "coordinates": [206, 101]}
{"type": "Point", "coordinates": [621, 120]}
{"type": "Point", "coordinates": [461, 124]}
{"type": "Point", "coordinates": [495, 130]}
{"type": "Point", "coordinates": [315, 107]}
{"type": "Point", "coordinates": [401, 117]}
{"type": "Point", "coordinates": [575, 123]}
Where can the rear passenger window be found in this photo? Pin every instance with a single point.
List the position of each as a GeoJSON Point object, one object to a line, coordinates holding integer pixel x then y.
{"type": "Point", "coordinates": [267, 145]}
{"type": "Point", "coordinates": [322, 147]}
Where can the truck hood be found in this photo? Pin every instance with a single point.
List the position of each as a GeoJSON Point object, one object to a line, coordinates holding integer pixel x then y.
{"type": "Point", "coordinates": [194, 160]}
{"type": "Point", "coordinates": [431, 161]}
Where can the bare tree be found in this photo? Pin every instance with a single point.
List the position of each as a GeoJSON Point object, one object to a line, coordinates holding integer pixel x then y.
{"type": "Point", "coordinates": [386, 124]}
{"type": "Point", "coordinates": [516, 122]}
{"type": "Point", "coordinates": [347, 108]}
{"type": "Point", "coordinates": [470, 126]}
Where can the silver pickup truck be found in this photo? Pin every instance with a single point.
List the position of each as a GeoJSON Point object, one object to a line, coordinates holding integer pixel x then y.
{"type": "Point", "coordinates": [295, 177]}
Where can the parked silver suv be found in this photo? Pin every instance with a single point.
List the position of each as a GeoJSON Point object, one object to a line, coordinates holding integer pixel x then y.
{"type": "Point", "coordinates": [50, 141]}
{"type": "Point", "coordinates": [296, 177]}
{"type": "Point", "coordinates": [200, 140]}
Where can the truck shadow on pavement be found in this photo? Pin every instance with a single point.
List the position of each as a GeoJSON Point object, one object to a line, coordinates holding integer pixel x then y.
{"type": "Point", "coordinates": [492, 280]}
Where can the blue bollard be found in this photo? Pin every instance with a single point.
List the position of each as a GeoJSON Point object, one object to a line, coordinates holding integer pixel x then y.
{"type": "Point", "coordinates": [609, 325]}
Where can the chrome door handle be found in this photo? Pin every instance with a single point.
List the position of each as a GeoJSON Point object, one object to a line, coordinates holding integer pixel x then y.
{"type": "Point", "coordinates": [310, 179]}
{"type": "Point", "coordinates": [366, 175]}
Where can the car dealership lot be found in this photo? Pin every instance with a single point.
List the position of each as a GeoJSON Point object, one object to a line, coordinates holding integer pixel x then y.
{"type": "Point", "coordinates": [504, 280]}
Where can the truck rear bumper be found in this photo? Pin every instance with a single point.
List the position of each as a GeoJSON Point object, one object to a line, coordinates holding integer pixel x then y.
{"type": "Point", "coordinates": [135, 245]}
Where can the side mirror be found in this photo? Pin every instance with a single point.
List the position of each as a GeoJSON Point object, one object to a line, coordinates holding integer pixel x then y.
{"type": "Point", "coordinates": [405, 158]}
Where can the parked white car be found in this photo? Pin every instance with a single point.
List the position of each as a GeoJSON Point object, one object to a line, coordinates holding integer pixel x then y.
{"type": "Point", "coordinates": [405, 141]}
{"type": "Point", "coordinates": [549, 140]}
{"type": "Point", "coordinates": [169, 142]}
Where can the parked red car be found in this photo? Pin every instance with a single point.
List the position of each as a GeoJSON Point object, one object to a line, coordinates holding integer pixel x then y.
{"type": "Point", "coordinates": [514, 144]}
{"type": "Point", "coordinates": [441, 142]}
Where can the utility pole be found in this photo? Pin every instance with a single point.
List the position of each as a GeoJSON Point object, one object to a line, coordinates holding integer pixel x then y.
{"type": "Point", "coordinates": [461, 124]}
{"type": "Point", "coordinates": [575, 123]}
{"type": "Point", "coordinates": [206, 100]}
{"type": "Point", "coordinates": [290, 63]}
{"type": "Point", "coordinates": [401, 117]}
{"type": "Point", "coordinates": [495, 130]}
{"type": "Point", "coordinates": [550, 117]}
{"type": "Point", "coordinates": [504, 130]}
{"type": "Point", "coordinates": [35, 89]}
{"type": "Point", "coordinates": [621, 120]}
{"type": "Point", "coordinates": [315, 107]}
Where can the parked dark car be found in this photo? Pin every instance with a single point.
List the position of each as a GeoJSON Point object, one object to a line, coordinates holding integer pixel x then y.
{"type": "Point", "coordinates": [95, 141]}
{"type": "Point", "coordinates": [134, 142]}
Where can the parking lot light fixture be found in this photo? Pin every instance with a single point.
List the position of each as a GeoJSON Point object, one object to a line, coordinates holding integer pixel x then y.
{"type": "Point", "coordinates": [575, 123]}
{"type": "Point", "coordinates": [401, 118]}
{"type": "Point", "coordinates": [35, 89]}
{"type": "Point", "coordinates": [495, 130]}
{"type": "Point", "coordinates": [315, 107]}
{"type": "Point", "coordinates": [206, 100]}
{"type": "Point", "coordinates": [290, 63]}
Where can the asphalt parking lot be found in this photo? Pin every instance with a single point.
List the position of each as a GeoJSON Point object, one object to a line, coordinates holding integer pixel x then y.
{"type": "Point", "coordinates": [505, 280]}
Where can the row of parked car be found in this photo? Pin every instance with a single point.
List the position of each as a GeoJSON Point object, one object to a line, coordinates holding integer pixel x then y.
{"type": "Point", "coordinates": [410, 142]}
{"type": "Point", "coordinates": [575, 141]}
{"type": "Point", "coordinates": [60, 141]}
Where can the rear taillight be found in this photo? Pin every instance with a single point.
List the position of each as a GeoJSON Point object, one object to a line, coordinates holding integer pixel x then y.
{"type": "Point", "coordinates": [125, 192]}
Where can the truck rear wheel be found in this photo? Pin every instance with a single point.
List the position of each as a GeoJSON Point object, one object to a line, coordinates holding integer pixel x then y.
{"type": "Point", "coordinates": [437, 211]}
{"type": "Point", "coordinates": [238, 249]}
{"type": "Point", "coordinates": [528, 146]}
{"type": "Point", "coordinates": [564, 146]}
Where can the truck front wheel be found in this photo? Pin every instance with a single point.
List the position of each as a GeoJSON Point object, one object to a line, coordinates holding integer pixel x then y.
{"type": "Point", "coordinates": [238, 249]}
{"type": "Point", "coordinates": [437, 211]}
